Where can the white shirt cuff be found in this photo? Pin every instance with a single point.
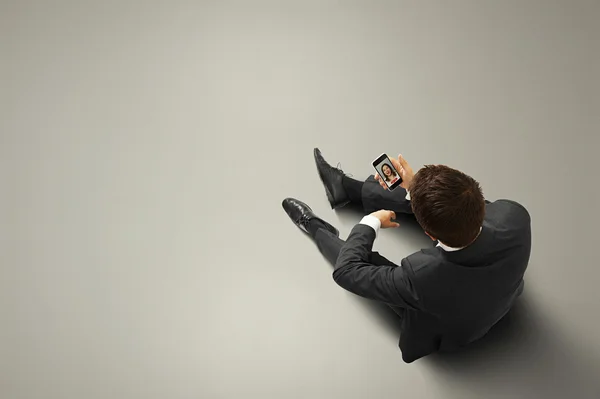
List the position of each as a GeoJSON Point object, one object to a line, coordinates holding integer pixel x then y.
{"type": "Point", "coordinates": [407, 195]}
{"type": "Point", "coordinates": [372, 222]}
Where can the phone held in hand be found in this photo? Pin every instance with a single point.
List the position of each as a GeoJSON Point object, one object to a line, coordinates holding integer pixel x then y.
{"type": "Point", "coordinates": [385, 169]}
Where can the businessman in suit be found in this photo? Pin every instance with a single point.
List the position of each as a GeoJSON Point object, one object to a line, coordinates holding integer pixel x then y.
{"type": "Point", "coordinates": [448, 295]}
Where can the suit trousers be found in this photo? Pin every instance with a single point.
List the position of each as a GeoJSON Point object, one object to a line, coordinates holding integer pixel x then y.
{"type": "Point", "coordinates": [374, 198]}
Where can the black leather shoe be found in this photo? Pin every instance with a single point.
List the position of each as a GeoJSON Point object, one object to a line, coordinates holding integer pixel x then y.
{"type": "Point", "coordinates": [301, 215]}
{"type": "Point", "coordinates": [332, 180]}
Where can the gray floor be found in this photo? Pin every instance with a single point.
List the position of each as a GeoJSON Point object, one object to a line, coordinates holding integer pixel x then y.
{"type": "Point", "coordinates": [146, 148]}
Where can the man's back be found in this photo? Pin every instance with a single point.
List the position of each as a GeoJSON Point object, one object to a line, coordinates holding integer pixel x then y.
{"type": "Point", "coordinates": [462, 294]}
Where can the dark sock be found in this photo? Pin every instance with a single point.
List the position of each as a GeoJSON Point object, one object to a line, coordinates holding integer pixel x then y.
{"type": "Point", "coordinates": [314, 225]}
{"type": "Point", "coordinates": [353, 189]}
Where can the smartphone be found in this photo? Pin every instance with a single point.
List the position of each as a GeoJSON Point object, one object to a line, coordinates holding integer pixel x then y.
{"type": "Point", "coordinates": [385, 169]}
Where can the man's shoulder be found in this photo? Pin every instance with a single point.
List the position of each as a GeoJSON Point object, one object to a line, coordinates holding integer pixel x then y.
{"type": "Point", "coordinates": [422, 260]}
{"type": "Point", "coordinates": [508, 210]}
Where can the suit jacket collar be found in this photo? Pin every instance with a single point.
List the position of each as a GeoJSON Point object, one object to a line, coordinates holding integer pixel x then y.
{"type": "Point", "coordinates": [471, 254]}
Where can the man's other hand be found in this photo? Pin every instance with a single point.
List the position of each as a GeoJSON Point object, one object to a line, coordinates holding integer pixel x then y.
{"type": "Point", "coordinates": [405, 171]}
{"type": "Point", "coordinates": [385, 217]}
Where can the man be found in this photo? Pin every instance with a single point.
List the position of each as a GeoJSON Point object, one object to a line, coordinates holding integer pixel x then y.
{"type": "Point", "coordinates": [448, 295]}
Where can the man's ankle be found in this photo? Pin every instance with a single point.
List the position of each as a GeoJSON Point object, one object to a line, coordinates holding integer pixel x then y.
{"type": "Point", "coordinates": [314, 225]}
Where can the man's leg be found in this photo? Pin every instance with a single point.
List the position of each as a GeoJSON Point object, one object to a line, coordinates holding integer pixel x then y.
{"type": "Point", "coordinates": [375, 197]}
{"type": "Point", "coordinates": [324, 234]}
{"type": "Point", "coordinates": [342, 189]}
{"type": "Point", "coordinates": [330, 246]}
{"type": "Point", "coordinates": [353, 190]}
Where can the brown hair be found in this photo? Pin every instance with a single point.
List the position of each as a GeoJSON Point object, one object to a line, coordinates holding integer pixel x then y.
{"type": "Point", "coordinates": [448, 204]}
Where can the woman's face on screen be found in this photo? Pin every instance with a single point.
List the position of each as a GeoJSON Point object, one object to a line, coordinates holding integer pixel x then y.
{"type": "Point", "coordinates": [386, 170]}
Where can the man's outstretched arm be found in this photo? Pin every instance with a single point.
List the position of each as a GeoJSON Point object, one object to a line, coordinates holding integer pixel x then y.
{"type": "Point", "coordinates": [354, 272]}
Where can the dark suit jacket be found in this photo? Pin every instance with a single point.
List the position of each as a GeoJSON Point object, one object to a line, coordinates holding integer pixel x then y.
{"type": "Point", "coordinates": [448, 299]}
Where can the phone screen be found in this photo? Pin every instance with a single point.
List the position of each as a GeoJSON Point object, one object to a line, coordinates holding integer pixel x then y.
{"type": "Point", "coordinates": [387, 172]}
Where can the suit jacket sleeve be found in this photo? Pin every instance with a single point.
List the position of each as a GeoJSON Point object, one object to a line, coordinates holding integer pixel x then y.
{"type": "Point", "coordinates": [354, 272]}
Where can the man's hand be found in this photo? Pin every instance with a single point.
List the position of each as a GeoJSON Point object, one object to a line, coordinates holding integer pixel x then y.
{"type": "Point", "coordinates": [405, 171]}
{"type": "Point", "coordinates": [385, 217]}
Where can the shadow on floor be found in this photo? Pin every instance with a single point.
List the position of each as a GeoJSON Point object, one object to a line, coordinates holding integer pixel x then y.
{"type": "Point", "coordinates": [523, 355]}
{"type": "Point", "coordinates": [524, 352]}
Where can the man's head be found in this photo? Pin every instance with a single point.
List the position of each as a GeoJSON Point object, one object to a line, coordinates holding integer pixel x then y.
{"type": "Point", "coordinates": [448, 204]}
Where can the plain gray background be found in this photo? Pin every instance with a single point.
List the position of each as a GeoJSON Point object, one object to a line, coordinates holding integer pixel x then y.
{"type": "Point", "coordinates": [132, 266]}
